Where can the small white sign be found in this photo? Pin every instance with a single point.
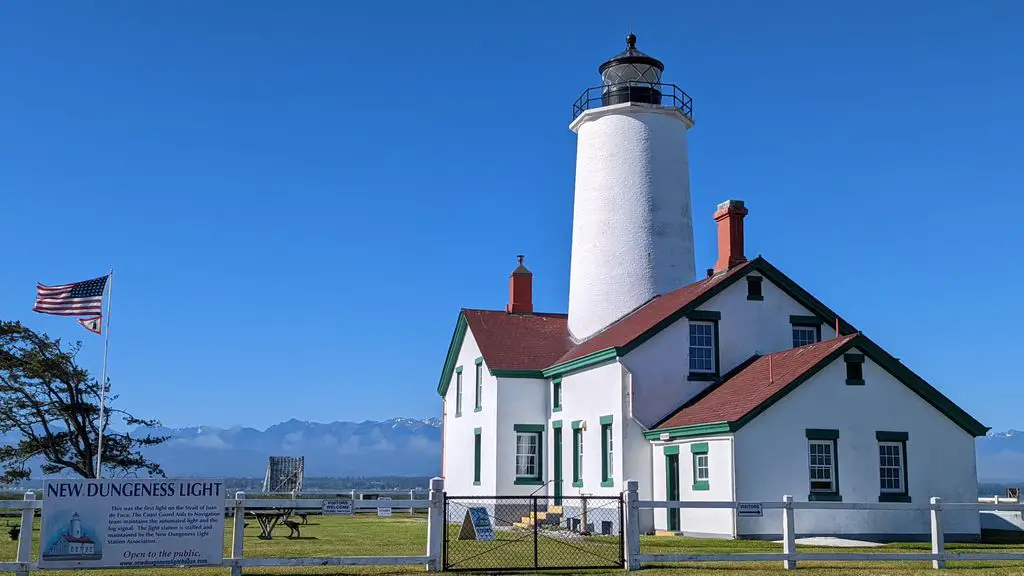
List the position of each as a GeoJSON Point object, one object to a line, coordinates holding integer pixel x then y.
{"type": "Point", "coordinates": [132, 523]}
{"type": "Point", "coordinates": [381, 511]}
{"type": "Point", "coordinates": [749, 510]}
{"type": "Point", "coordinates": [336, 508]}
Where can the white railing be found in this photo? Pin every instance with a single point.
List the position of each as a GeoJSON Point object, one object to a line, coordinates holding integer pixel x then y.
{"type": "Point", "coordinates": [789, 556]}
{"type": "Point", "coordinates": [237, 507]}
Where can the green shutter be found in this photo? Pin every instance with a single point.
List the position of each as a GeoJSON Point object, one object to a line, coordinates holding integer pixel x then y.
{"type": "Point", "coordinates": [476, 456]}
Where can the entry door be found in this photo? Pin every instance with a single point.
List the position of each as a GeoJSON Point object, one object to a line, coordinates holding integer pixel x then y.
{"type": "Point", "coordinates": [672, 488]}
{"type": "Point", "coordinates": [558, 466]}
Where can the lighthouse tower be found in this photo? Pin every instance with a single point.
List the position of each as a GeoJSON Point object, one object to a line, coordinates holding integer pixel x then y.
{"type": "Point", "coordinates": [632, 234]}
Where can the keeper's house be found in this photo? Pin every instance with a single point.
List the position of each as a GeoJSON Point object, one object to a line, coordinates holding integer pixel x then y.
{"type": "Point", "coordinates": [740, 386]}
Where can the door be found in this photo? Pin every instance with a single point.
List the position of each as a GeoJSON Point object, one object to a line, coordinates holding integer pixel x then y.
{"type": "Point", "coordinates": [558, 466]}
{"type": "Point", "coordinates": [672, 488]}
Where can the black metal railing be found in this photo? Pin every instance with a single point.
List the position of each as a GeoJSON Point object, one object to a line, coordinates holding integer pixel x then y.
{"type": "Point", "coordinates": [668, 95]}
{"type": "Point", "coordinates": [522, 533]}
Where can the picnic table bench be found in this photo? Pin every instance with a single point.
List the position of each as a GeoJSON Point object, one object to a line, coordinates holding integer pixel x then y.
{"type": "Point", "coordinates": [268, 520]}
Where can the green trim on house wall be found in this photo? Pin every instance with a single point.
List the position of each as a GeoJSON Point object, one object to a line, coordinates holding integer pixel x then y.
{"type": "Point", "coordinates": [528, 482]}
{"type": "Point", "coordinates": [556, 423]}
{"type": "Point", "coordinates": [577, 438]}
{"type": "Point", "coordinates": [797, 320]}
{"type": "Point", "coordinates": [477, 430]}
{"type": "Point", "coordinates": [670, 450]}
{"type": "Point", "coordinates": [701, 377]}
{"type": "Point", "coordinates": [888, 497]}
{"type": "Point", "coordinates": [688, 431]}
{"type": "Point", "coordinates": [609, 483]}
{"type": "Point", "coordinates": [453, 354]}
{"type": "Point", "coordinates": [479, 361]}
{"type": "Point", "coordinates": [528, 427]}
{"type": "Point", "coordinates": [606, 464]}
{"type": "Point", "coordinates": [699, 448]}
{"type": "Point", "coordinates": [886, 436]}
{"type": "Point", "coordinates": [556, 394]}
{"type": "Point", "coordinates": [477, 456]}
{"type": "Point", "coordinates": [584, 362]}
{"type": "Point", "coordinates": [576, 424]}
{"type": "Point", "coordinates": [854, 381]}
{"type": "Point", "coordinates": [822, 434]}
{"type": "Point", "coordinates": [853, 358]}
{"type": "Point", "coordinates": [477, 409]}
{"type": "Point", "coordinates": [538, 429]}
{"type": "Point", "coordinates": [606, 420]}
{"type": "Point", "coordinates": [577, 483]}
{"type": "Point", "coordinates": [458, 370]}
{"type": "Point", "coordinates": [702, 485]}
{"type": "Point", "coordinates": [824, 497]}
{"type": "Point", "coordinates": [759, 281]}
{"type": "Point", "coordinates": [703, 315]}
{"type": "Point", "coordinates": [534, 374]}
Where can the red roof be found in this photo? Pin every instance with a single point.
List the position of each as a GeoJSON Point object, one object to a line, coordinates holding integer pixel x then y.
{"type": "Point", "coordinates": [519, 341]}
{"type": "Point", "coordinates": [752, 386]}
{"type": "Point", "coordinates": [639, 321]}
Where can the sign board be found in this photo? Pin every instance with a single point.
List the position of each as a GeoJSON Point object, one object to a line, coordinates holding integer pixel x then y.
{"type": "Point", "coordinates": [337, 507]}
{"type": "Point", "coordinates": [749, 510]}
{"type": "Point", "coordinates": [381, 511]}
{"type": "Point", "coordinates": [131, 522]}
{"type": "Point", "coordinates": [476, 525]}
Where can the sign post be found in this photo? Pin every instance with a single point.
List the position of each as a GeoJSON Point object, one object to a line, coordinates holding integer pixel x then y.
{"type": "Point", "coordinates": [382, 511]}
{"type": "Point", "coordinates": [128, 522]}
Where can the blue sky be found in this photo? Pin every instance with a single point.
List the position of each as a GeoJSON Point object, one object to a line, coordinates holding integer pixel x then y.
{"type": "Point", "coordinates": [297, 197]}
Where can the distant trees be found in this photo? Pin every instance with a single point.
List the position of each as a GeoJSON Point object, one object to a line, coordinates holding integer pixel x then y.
{"type": "Point", "coordinates": [50, 407]}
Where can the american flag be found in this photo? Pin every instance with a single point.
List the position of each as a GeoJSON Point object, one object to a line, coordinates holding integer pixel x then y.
{"type": "Point", "coordinates": [77, 299]}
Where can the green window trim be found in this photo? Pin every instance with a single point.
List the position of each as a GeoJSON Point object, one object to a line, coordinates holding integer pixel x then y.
{"type": "Point", "coordinates": [704, 315]}
{"type": "Point", "coordinates": [556, 394]}
{"type": "Point", "coordinates": [606, 463]}
{"type": "Point", "coordinates": [699, 448]}
{"type": "Point", "coordinates": [556, 423]}
{"type": "Point", "coordinates": [479, 361]}
{"type": "Point", "coordinates": [825, 434]}
{"type": "Point", "coordinates": [853, 358]}
{"type": "Point", "coordinates": [670, 450]}
{"type": "Point", "coordinates": [458, 392]}
{"type": "Point", "coordinates": [822, 434]}
{"type": "Point", "coordinates": [458, 370]}
{"type": "Point", "coordinates": [577, 439]}
{"type": "Point", "coordinates": [477, 449]}
{"type": "Point", "coordinates": [577, 483]}
{"type": "Point", "coordinates": [538, 479]}
{"type": "Point", "coordinates": [891, 497]}
{"type": "Point", "coordinates": [713, 317]}
{"type": "Point", "coordinates": [479, 386]}
{"type": "Point", "coordinates": [901, 438]}
{"type": "Point", "coordinates": [884, 436]}
{"type": "Point", "coordinates": [701, 485]}
{"type": "Point", "coordinates": [753, 281]}
{"type": "Point", "coordinates": [797, 320]}
{"type": "Point", "coordinates": [577, 424]}
{"type": "Point", "coordinates": [824, 497]}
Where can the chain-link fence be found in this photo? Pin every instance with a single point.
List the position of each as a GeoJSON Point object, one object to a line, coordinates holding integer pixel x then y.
{"type": "Point", "coordinates": [536, 532]}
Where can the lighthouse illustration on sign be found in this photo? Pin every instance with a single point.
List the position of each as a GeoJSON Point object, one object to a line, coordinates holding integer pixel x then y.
{"type": "Point", "coordinates": [72, 543]}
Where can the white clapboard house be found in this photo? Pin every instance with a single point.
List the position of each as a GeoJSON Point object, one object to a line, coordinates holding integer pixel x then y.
{"type": "Point", "coordinates": [737, 386]}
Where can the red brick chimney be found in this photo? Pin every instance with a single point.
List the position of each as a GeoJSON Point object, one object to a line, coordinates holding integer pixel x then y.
{"type": "Point", "coordinates": [729, 216]}
{"type": "Point", "coordinates": [520, 290]}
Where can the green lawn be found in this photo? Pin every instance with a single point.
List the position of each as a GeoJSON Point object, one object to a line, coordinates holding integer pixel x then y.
{"type": "Point", "coordinates": [405, 535]}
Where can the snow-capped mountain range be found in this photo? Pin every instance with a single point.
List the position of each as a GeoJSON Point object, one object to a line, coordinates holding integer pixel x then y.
{"type": "Point", "coordinates": [399, 446]}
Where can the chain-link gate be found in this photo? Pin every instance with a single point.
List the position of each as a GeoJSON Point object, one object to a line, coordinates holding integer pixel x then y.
{"type": "Point", "coordinates": [496, 533]}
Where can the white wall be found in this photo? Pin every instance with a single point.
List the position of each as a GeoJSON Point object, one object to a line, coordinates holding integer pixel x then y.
{"type": "Point", "coordinates": [660, 366]}
{"type": "Point", "coordinates": [696, 522]}
{"type": "Point", "coordinates": [586, 396]}
{"type": "Point", "coordinates": [458, 430]}
{"type": "Point", "coordinates": [771, 455]}
{"type": "Point", "coordinates": [632, 234]}
{"type": "Point", "coordinates": [637, 453]}
{"type": "Point", "coordinates": [520, 401]}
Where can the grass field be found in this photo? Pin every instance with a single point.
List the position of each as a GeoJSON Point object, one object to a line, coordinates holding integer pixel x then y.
{"type": "Point", "coordinates": [405, 535]}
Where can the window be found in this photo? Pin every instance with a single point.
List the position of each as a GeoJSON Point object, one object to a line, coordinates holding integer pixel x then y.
{"type": "Point", "coordinates": [702, 347]}
{"type": "Point", "coordinates": [892, 467]}
{"type": "Point", "coordinates": [823, 470]}
{"type": "Point", "coordinates": [479, 385]}
{"type": "Point", "coordinates": [806, 330]}
{"type": "Point", "coordinates": [854, 369]}
{"type": "Point", "coordinates": [607, 451]}
{"type": "Point", "coordinates": [528, 454]}
{"type": "Point", "coordinates": [556, 395]}
{"type": "Point", "coordinates": [577, 454]}
{"type": "Point", "coordinates": [458, 391]}
{"type": "Point", "coordinates": [701, 470]}
{"type": "Point", "coordinates": [754, 288]}
{"type": "Point", "coordinates": [804, 335]}
{"type": "Point", "coordinates": [476, 457]}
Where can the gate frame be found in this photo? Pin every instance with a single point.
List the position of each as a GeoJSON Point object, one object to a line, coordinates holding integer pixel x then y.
{"type": "Point", "coordinates": [618, 499]}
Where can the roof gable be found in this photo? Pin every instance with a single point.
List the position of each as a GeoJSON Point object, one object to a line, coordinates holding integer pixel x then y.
{"type": "Point", "coordinates": [656, 314]}
{"type": "Point", "coordinates": [512, 345]}
{"type": "Point", "coordinates": [762, 381]}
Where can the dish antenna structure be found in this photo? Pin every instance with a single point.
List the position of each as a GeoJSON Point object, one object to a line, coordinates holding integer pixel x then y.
{"type": "Point", "coordinates": [284, 474]}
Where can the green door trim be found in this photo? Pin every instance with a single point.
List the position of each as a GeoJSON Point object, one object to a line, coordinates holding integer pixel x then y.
{"type": "Point", "coordinates": [672, 488]}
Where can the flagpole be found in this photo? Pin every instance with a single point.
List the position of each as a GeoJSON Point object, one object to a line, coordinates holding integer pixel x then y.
{"type": "Point", "coordinates": [103, 382]}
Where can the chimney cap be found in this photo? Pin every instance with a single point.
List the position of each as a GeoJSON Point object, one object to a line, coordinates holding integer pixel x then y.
{"type": "Point", "coordinates": [734, 206]}
{"type": "Point", "coordinates": [521, 269]}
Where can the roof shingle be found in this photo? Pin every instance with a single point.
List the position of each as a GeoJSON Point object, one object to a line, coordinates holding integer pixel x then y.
{"type": "Point", "coordinates": [519, 341]}
{"type": "Point", "coordinates": [752, 386]}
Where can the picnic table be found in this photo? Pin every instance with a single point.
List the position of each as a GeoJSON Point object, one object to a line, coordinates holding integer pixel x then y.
{"type": "Point", "coordinates": [268, 520]}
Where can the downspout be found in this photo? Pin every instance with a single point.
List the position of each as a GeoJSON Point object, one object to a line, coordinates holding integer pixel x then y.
{"type": "Point", "coordinates": [444, 416]}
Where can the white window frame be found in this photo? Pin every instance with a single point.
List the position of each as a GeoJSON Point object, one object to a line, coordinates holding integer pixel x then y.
{"type": "Point", "coordinates": [813, 331]}
{"type": "Point", "coordinates": [535, 455]}
{"type": "Point", "coordinates": [706, 369]}
{"type": "Point", "coordinates": [701, 463]}
{"type": "Point", "coordinates": [831, 466]}
{"type": "Point", "coordinates": [898, 467]}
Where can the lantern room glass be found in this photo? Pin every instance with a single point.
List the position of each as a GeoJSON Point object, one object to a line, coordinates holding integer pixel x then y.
{"type": "Point", "coordinates": [631, 72]}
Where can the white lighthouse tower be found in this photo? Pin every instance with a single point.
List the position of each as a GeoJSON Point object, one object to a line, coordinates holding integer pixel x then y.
{"type": "Point", "coordinates": [632, 232]}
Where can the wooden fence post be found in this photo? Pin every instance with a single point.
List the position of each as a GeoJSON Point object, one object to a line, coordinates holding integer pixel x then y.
{"type": "Point", "coordinates": [938, 537]}
{"type": "Point", "coordinates": [238, 532]}
{"type": "Point", "coordinates": [28, 518]}
{"type": "Point", "coordinates": [436, 523]}
{"type": "Point", "coordinates": [788, 534]}
{"type": "Point", "coordinates": [631, 530]}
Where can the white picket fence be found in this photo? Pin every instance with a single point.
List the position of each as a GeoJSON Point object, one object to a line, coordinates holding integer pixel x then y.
{"type": "Point", "coordinates": [434, 504]}
{"type": "Point", "coordinates": [789, 556]}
